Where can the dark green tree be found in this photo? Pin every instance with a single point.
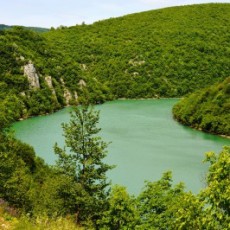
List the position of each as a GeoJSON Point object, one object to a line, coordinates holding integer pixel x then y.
{"type": "Point", "coordinates": [82, 159]}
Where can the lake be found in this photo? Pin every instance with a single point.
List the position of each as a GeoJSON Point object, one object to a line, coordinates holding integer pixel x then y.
{"type": "Point", "coordinates": [146, 142]}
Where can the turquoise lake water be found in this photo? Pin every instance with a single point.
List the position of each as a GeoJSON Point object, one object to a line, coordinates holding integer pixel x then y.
{"type": "Point", "coordinates": [146, 142]}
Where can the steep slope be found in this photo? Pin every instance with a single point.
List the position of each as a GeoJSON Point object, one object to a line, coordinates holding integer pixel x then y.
{"type": "Point", "coordinates": [166, 53]}
{"type": "Point", "coordinates": [207, 109]}
{"type": "Point", "coordinates": [36, 78]}
{"type": "Point", "coordinates": [160, 53]}
{"type": "Point", "coordinates": [26, 62]}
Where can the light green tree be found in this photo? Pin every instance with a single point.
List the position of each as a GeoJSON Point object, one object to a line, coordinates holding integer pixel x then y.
{"type": "Point", "coordinates": [162, 206]}
{"type": "Point", "coordinates": [157, 201]}
{"type": "Point", "coordinates": [217, 192]}
{"type": "Point", "coordinates": [122, 212]}
{"type": "Point", "coordinates": [82, 159]}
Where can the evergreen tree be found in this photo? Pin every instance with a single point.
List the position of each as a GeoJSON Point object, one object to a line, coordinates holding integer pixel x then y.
{"type": "Point", "coordinates": [84, 161]}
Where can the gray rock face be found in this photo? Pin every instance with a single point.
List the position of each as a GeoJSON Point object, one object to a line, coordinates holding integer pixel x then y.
{"type": "Point", "coordinates": [67, 96]}
{"type": "Point", "coordinates": [48, 80]}
{"type": "Point", "coordinates": [75, 96]}
{"type": "Point", "coordinates": [32, 76]}
{"type": "Point", "coordinates": [82, 83]}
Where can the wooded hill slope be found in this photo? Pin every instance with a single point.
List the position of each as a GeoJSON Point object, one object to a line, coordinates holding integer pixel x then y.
{"type": "Point", "coordinates": [161, 53]}
{"type": "Point", "coordinates": [167, 53]}
{"type": "Point", "coordinates": [207, 109]}
{"type": "Point", "coordinates": [18, 48]}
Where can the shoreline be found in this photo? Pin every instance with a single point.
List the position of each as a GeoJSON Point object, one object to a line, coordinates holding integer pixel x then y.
{"type": "Point", "coordinates": [201, 130]}
{"type": "Point", "coordinates": [151, 98]}
{"type": "Point", "coordinates": [123, 99]}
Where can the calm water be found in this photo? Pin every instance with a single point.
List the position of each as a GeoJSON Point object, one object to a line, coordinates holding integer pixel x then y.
{"type": "Point", "coordinates": [146, 142]}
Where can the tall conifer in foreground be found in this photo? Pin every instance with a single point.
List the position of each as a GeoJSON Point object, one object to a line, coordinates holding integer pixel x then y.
{"type": "Point", "coordinates": [84, 161]}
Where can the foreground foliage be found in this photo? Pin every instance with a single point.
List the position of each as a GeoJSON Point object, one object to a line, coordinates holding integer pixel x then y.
{"type": "Point", "coordinates": [77, 186]}
{"type": "Point", "coordinates": [44, 223]}
{"type": "Point", "coordinates": [207, 109]}
{"type": "Point", "coordinates": [162, 205]}
{"type": "Point", "coordinates": [83, 164]}
{"type": "Point", "coordinates": [11, 221]}
{"type": "Point", "coordinates": [217, 193]}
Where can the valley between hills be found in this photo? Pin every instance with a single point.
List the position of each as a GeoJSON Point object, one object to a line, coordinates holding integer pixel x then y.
{"type": "Point", "coordinates": [178, 52]}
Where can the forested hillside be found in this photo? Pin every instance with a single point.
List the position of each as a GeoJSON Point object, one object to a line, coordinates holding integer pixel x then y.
{"type": "Point", "coordinates": [166, 53]}
{"type": "Point", "coordinates": [36, 78]}
{"type": "Point", "coordinates": [161, 53]}
{"type": "Point", "coordinates": [207, 109]}
{"type": "Point", "coordinates": [19, 97]}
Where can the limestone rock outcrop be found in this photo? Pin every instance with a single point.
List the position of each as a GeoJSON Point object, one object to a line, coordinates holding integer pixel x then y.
{"type": "Point", "coordinates": [75, 96]}
{"type": "Point", "coordinates": [67, 94]}
{"type": "Point", "coordinates": [48, 80]}
{"type": "Point", "coordinates": [82, 83]}
{"type": "Point", "coordinates": [32, 76]}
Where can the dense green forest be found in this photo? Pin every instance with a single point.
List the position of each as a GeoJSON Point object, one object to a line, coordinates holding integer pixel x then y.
{"type": "Point", "coordinates": [207, 109]}
{"type": "Point", "coordinates": [161, 53]}
{"type": "Point", "coordinates": [17, 47]}
{"type": "Point", "coordinates": [165, 53]}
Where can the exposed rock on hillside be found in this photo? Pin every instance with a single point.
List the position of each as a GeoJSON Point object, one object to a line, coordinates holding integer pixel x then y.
{"type": "Point", "coordinates": [67, 94]}
{"type": "Point", "coordinates": [48, 80]}
{"type": "Point", "coordinates": [75, 96]}
{"type": "Point", "coordinates": [32, 76]}
{"type": "Point", "coordinates": [82, 83]}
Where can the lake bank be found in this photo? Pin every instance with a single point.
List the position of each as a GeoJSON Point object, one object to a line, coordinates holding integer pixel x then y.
{"type": "Point", "coordinates": [146, 141]}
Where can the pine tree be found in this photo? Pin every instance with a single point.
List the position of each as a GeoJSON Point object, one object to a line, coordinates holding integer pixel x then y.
{"type": "Point", "coordinates": [82, 159]}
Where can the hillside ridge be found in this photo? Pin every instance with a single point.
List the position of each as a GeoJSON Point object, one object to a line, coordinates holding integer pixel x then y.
{"type": "Point", "coordinates": [161, 53]}
{"type": "Point", "coordinates": [167, 53]}
{"type": "Point", "coordinates": [207, 109]}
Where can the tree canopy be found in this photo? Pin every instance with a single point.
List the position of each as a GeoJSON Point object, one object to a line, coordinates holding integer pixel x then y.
{"type": "Point", "coordinates": [85, 161]}
{"type": "Point", "coordinates": [207, 109]}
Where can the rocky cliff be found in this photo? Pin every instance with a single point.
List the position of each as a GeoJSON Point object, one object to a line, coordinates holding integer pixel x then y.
{"type": "Point", "coordinates": [32, 76]}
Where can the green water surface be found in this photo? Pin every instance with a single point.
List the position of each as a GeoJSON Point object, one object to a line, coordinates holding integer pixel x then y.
{"type": "Point", "coordinates": [146, 142]}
